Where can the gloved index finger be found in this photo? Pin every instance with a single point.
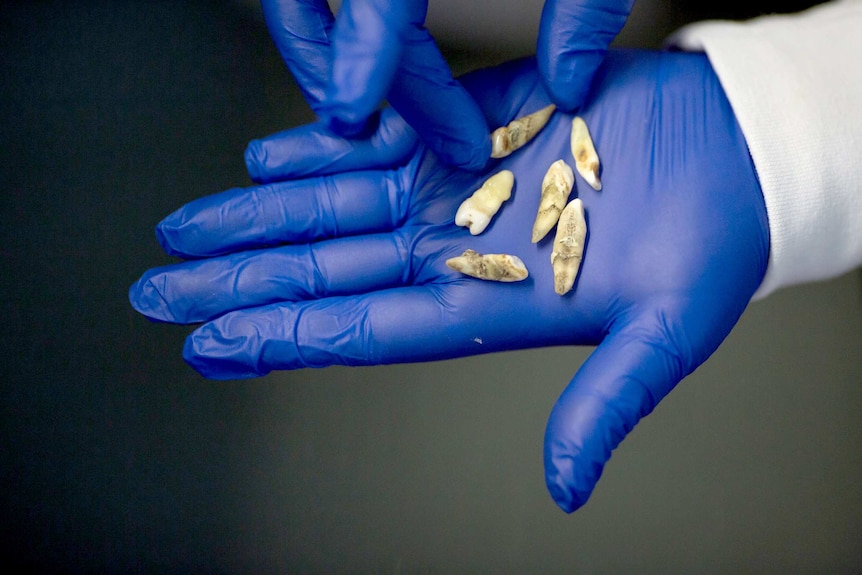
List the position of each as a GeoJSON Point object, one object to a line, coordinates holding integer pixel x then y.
{"type": "Point", "coordinates": [438, 107]}
{"type": "Point", "coordinates": [302, 33]}
{"type": "Point", "coordinates": [367, 43]}
{"type": "Point", "coordinates": [313, 150]}
{"type": "Point", "coordinates": [574, 36]}
{"type": "Point", "coordinates": [382, 49]}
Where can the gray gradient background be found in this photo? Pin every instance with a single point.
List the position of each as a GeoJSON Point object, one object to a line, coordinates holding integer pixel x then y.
{"type": "Point", "coordinates": [115, 457]}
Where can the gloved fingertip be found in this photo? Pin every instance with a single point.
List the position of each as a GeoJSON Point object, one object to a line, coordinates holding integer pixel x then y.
{"type": "Point", "coordinates": [567, 96]}
{"type": "Point", "coordinates": [466, 156]}
{"type": "Point", "coordinates": [565, 498]}
{"type": "Point", "coordinates": [148, 300]}
{"type": "Point", "coordinates": [215, 357]}
{"type": "Point", "coordinates": [255, 159]}
{"type": "Point", "coordinates": [562, 489]}
{"type": "Point", "coordinates": [466, 145]}
{"type": "Point", "coordinates": [343, 121]}
{"type": "Point", "coordinates": [167, 234]}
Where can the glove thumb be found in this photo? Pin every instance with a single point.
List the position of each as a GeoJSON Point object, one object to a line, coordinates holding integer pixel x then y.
{"type": "Point", "coordinates": [622, 381]}
{"type": "Point", "coordinates": [573, 38]}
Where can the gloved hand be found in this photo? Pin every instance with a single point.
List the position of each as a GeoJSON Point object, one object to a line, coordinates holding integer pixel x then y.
{"type": "Point", "coordinates": [378, 49]}
{"type": "Point", "coordinates": [349, 268]}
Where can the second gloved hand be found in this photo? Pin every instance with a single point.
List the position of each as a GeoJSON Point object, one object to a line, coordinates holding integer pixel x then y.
{"type": "Point", "coordinates": [380, 49]}
{"type": "Point", "coordinates": [350, 268]}
{"type": "Point", "coordinates": [375, 50]}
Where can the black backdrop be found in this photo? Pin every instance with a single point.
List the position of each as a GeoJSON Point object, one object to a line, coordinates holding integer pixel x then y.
{"type": "Point", "coordinates": [117, 457]}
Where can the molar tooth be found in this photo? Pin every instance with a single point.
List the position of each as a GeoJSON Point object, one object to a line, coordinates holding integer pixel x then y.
{"type": "Point", "coordinates": [493, 267]}
{"type": "Point", "coordinates": [518, 132]}
{"type": "Point", "coordinates": [476, 211]}
{"type": "Point", "coordinates": [569, 246]}
{"type": "Point", "coordinates": [586, 158]}
{"type": "Point", "coordinates": [556, 187]}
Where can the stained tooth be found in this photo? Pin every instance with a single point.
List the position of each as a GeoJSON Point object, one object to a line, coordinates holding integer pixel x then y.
{"type": "Point", "coordinates": [556, 187]}
{"type": "Point", "coordinates": [518, 132]}
{"type": "Point", "coordinates": [476, 211]}
{"type": "Point", "coordinates": [569, 246]}
{"type": "Point", "coordinates": [586, 158]}
{"type": "Point", "coordinates": [493, 267]}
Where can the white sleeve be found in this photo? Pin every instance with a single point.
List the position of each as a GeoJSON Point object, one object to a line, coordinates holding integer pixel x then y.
{"type": "Point", "coordinates": [795, 84]}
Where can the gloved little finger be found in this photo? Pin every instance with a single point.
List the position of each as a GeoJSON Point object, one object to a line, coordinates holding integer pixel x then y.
{"type": "Point", "coordinates": [312, 150]}
{"type": "Point", "coordinates": [620, 383]}
{"type": "Point", "coordinates": [285, 212]}
{"type": "Point", "coordinates": [200, 290]}
{"type": "Point", "coordinates": [416, 323]}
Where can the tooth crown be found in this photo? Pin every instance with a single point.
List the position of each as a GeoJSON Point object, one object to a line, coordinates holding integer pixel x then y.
{"type": "Point", "coordinates": [518, 132]}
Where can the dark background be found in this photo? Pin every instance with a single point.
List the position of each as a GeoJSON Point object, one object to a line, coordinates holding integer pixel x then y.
{"type": "Point", "coordinates": [115, 457]}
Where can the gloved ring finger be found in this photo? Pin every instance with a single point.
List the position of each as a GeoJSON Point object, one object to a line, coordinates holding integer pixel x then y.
{"type": "Point", "coordinates": [285, 212]}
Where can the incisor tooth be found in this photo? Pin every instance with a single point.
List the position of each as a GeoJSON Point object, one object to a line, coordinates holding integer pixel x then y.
{"type": "Point", "coordinates": [569, 246]}
{"type": "Point", "coordinates": [493, 267]}
{"type": "Point", "coordinates": [556, 187]}
{"type": "Point", "coordinates": [586, 158]}
{"type": "Point", "coordinates": [518, 132]}
{"type": "Point", "coordinates": [476, 211]}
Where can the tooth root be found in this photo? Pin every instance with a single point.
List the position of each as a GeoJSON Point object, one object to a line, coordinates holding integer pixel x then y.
{"type": "Point", "coordinates": [492, 267]}
{"type": "Point", "coordinates": [476, 211]}
{"type": "Point", "coordinates": [556, 187]}
{"type": "Point", "coordinates": [586, 158]}
{"type": "Point", "coordinates": [569, 246]}
{"type": "Point", "coordinates": [518, 132]}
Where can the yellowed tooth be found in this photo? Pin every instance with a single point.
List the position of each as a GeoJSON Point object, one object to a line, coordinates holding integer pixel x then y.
{"type": "Point", "coordinates": [493, 267]}
{"type": "Point", "coordinates": [586, 158]}
{"type": "Point", "coordinates": [569, 246]}
{"type": "Point", "coordinates": [556, 187]}
{"type": "Point", "coordinates": [476, 211]}
{"type": "Point", "coordinates": [518, 132]}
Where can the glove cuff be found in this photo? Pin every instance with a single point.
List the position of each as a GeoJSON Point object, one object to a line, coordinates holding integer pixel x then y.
{"type": "Point", "coordinates": [795, 86]}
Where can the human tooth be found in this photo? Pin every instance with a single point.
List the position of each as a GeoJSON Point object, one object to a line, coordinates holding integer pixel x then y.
{"type": "Point", "coordinates": [586, 158]}
{"type": "Point", "coordinates": [556, 187]}
{"type": "Point", "coordinates": [507, 139]}
{"type": "Point", "coordinates": [569, 246]}
{"type": "Point", "coordinates": [493, 267]}
{"type": "Point", "coordinates": [476, 211]}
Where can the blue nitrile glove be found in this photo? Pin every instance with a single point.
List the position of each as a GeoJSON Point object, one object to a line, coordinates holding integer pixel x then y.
{"type": "Point", "coordinates": [377, 49]}
{"type": "Point", "coordinates": [349, 268]}
{"type": "Point", "coordinates": [574, 36]}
